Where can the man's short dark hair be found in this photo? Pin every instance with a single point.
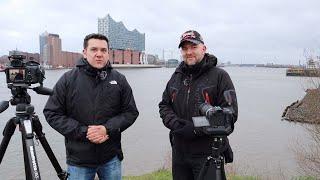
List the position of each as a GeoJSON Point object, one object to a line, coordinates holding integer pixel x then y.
{"type": "Point", "coordinates": [94, 36]}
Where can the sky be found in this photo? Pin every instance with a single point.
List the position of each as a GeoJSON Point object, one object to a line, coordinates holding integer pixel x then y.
{"type": "Point", "coordinates": [239, 31]}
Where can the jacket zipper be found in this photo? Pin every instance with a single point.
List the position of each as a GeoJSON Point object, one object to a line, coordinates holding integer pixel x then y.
{"type": "Point", "coordinates": [190, 79]}
{"type": "Point", "coordinates": [99, 89]}
{"type": "Point", "coordinates": [188, 95]}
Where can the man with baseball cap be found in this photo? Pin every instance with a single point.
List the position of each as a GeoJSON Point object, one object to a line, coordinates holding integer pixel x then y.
{"type": "Point", "coordinates": [197, 80]}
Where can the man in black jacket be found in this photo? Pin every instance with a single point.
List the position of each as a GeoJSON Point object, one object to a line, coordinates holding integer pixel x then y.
{"type": "Point", "coordinates": [197, 80]}
{"type": "Point", "coordinates": [91, 105]}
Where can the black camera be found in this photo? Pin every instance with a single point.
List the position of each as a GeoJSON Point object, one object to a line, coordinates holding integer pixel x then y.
{"type": "Point", "coordinates": [25, 73]}
{"type": "Point", "coordinates": [215, 120]}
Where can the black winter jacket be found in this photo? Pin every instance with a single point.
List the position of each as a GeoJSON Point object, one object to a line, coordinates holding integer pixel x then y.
{"type": "Point", "coordinates": [86, 96]}
{"type": "Point", "coordinates": [187, 89]}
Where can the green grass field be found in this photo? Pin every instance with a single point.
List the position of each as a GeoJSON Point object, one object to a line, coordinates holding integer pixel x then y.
{"type": "Point", "coordinates": [166, 175]}
{"type": "Point", "coordinates": [157, 175]}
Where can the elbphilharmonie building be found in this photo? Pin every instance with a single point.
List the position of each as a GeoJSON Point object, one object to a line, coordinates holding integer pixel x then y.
{"type": "Point", "coordinates": [119, 36]}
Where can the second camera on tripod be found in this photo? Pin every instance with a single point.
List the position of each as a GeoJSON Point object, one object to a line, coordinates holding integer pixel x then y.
{"type": "Point", "coordinates": [216, 120]}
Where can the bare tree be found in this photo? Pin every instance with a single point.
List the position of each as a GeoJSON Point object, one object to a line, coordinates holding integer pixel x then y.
{"type": "Point", "coordinates": [307, 111]}
{"type": "Point", "coordinates": [312, 57]}
{"type": "Point", "coordinates": [308, 154]}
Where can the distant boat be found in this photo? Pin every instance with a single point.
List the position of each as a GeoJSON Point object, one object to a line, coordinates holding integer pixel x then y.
{"type": "Point", "coordinates": [303, 72]}
{"type": "Point", "coordinates": [312, 69]}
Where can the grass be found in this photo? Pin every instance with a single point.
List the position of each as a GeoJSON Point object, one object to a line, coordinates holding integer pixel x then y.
{"type": "Point", "coordinates": [243, 178]}
{"type": "Point", "coordinates": [305, 178]}
{"type": "Point", "coordinates": [157, 175]}
{"type": "Point", "coordinates": [163, 174]}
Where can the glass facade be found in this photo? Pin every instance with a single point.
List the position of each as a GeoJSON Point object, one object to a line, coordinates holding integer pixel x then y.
{"type": "Point", "coordinates": [119, 36]}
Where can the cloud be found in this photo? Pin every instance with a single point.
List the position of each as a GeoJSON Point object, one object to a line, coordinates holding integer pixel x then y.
{"type": "Point", "coordinates": [248, 30]}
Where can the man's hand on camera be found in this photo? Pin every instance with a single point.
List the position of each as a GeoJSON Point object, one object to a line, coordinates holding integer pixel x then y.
{"type": "Point", "coordinates": [187, 131]}
{"type": "Point", "coordinates": [97, 134]}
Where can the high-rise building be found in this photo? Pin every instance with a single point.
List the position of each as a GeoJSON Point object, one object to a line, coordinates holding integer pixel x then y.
{"type": "Point", "coordinates": [43, 42]}
{"type": "Point", "coordinates": [50, 49]}
{"type": "Point", "coordinates": [119, 36]}
{"type": "Point", "coordinates": [51, 54]}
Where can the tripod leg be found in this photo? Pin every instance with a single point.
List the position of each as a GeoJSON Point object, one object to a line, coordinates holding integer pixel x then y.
{"type": "Point", "coordinates": [223, 173]}
{"type": "Point", "coordinates": [219, 171]}
{"type": "Point", "coordinates": [204, 169]}
{"type": "Point", "coordinates": [27, 167]}
{"type": "Point", "coordinates": [29, 153]}
{"type": "Point", "coordinates": [213, 169]}
{"type": "Point", "coordinates": [7, 134]}
{"type": "Point", "coordinates": [63, 175]}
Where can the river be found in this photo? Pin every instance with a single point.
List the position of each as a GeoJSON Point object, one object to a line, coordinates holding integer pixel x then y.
{"type": "Point", "coordinates": [262, 142]}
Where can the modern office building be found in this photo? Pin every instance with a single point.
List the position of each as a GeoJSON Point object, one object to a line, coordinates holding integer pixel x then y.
{"type": "Point", "coordinates": [50, 49]}
{"type": "Point", "coordinates": [119, 36]}
{"type": "Point", "coordinates": [51, 54]}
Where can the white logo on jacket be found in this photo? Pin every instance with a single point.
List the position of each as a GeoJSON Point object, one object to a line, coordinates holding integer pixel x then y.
{"type": "Point", "coordinates": [113, 82]}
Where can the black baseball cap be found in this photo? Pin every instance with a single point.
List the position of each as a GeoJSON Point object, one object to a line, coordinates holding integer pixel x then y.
{"type": "Point", "coordinates": [191, 36]}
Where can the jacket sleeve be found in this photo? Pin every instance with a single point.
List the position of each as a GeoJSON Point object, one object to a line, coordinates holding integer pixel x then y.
{"type": "Point", "coordinates": [169, 117]}
{"type": "Point", "coordinates": [225, 84]}
{"type": "Point", "coordinates": [56, 116]}
{"type": "Point", "coordinates": [129, 111]}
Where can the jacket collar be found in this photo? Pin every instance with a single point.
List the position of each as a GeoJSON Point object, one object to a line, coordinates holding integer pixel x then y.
{"type": "Point", "coordinates": [92, 71]}
{"type": "Point", "coordinates": [206, 63]}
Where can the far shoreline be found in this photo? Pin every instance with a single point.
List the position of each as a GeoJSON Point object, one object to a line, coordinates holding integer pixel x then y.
{"type": "Point", "coordinates": [118, 66]}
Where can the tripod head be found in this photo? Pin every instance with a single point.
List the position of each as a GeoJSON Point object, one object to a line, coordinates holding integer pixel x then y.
{"type": "Point", "coordinates": [21, 96]}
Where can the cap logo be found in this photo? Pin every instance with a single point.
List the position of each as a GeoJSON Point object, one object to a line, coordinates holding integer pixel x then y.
{"type": "Point", "coordinates": [188, 35]}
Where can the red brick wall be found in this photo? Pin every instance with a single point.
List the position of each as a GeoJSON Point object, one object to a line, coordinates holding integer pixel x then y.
{"type": "Point", "coordinates": [136, 57]}
{"type": "Point", "coordinates": [118, 57]}
{"type": "Point", "coordinates": [69, 59]}
{"type": "Point", "coordinates": [127, 57]}
{"type": "Point", "coordinates": [111, 56]}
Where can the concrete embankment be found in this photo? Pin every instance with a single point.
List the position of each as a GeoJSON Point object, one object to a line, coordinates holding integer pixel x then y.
{"type": "Point", "coordinates": [306, 110]}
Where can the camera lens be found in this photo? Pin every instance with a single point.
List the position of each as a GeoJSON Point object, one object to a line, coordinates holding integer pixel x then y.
{"type": "Point", "coordinates": [206, 109]}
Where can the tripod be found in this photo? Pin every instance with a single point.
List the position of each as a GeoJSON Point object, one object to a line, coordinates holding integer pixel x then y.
{"type": "Point", "coordinates": [29, 124]}
{"type": "Point", "coordinates": [213, 168]}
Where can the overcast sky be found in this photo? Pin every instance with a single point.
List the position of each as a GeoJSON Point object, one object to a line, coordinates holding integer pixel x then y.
{"type": "Point", "coordinates": [240, 31]}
